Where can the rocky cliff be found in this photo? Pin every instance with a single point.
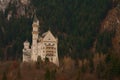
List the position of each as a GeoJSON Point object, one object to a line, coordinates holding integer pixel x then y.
{"type": "Point", "coordinates": [112, 24]}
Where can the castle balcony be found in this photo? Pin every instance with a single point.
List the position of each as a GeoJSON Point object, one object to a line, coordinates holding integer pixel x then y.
{"type": "Point", "coordinates": [35, 32]}
{"type": "Point", "coordinates": [49, 54]}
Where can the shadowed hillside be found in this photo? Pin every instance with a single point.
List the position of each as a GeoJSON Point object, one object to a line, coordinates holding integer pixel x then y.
{"type": "Point", "coordinates": [75, 23]}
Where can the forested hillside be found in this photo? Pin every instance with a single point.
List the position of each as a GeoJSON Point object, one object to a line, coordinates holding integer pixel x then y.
{"type": "Point", "coordinates": [88, 34]}
{"type": "Point", "coordinates": [76, 23]}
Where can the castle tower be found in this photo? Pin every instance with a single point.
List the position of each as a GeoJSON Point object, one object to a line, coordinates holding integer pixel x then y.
{"type": "Point", "coordinates": [35, 27]}
{"type": "Point", "coordinates": [26, 45]}
{"type": "Point", "coordinates": [26, 51]}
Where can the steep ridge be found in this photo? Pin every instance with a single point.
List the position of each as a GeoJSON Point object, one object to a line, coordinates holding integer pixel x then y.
{"type": "Point", "coordinates": [112, 24]}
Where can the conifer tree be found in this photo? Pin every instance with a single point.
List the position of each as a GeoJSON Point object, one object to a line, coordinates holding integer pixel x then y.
{"type": "Point", "coordinates": [4, 76]}
{"type": "Point", "coordinates": [47, 75]}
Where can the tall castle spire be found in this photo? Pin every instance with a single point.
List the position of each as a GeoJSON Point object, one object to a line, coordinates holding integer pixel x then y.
{"type": "Point", "coordinates": [35, 18]}
{"type": "Point", "coordinates": [35, 32]}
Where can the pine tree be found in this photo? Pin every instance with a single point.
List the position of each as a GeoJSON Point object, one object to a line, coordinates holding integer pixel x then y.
{"type": "Point", "coordinates": [38, 63]}
{"type": "Point", "coordinates": [47, 75]}
{"type": "Point", "coordinates": [4, 76]}
{"type": "Point", "coordinates": [53, 74]}
{"type": "Point", "coordinates": [19, 74]}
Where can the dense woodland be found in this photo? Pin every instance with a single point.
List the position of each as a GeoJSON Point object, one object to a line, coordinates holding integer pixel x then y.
{"type": "Point", "coordinates": [85, 50]}
{"type": "Point", "coordinates": [75, 23]}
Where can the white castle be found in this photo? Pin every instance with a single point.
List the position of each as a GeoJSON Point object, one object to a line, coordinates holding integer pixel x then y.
{"type": "Point", "coordinates": [44, 46]}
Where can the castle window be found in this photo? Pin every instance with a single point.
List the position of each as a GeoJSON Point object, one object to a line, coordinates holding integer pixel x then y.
{"type": "Point", "coordinates": [51, 59]}
{"type": "Point", "coordinates": [44, 43]}
{"type": "Point", "coordinates": [49, 44]}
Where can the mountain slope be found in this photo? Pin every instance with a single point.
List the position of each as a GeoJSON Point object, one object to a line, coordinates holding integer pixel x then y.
{"type": "Point", "coordinates": [75, 23]}
{"type": "Point", "coordinates": [111, 24]}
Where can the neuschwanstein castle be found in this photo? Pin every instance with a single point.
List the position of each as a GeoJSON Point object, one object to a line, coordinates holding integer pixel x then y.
{"type": "Point", "coordinates": [44, 46]}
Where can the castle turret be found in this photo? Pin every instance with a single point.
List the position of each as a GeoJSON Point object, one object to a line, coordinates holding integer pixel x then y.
{"type": "Point", "coordinates": [26, 45]}
{"type": "Point", "coordinates": [26, 51]}
{"type": "Point", "coordinates": [35, 27]}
